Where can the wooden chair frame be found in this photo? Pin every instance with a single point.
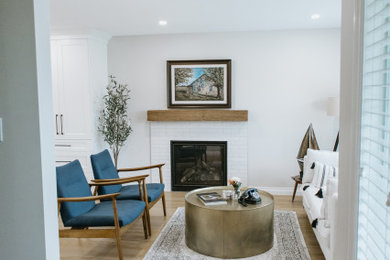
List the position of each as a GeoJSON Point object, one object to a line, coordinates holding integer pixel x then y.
{"type": "Point", "coordinates": [148, 205]}
{"type": "Point", "coordinates": [115, 232]}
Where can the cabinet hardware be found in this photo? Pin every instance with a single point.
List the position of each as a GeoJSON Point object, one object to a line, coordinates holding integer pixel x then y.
{"type": "Point", "coordinates": [63, 145]}
{"type": "Point", "coordinates": [62, 124]}
{"type": "Point", "coordinates": [64, 161]}
{"type": "Point", "coordinates": [388, 200]}
{"type": "Point", "coordinates": [57, 124]}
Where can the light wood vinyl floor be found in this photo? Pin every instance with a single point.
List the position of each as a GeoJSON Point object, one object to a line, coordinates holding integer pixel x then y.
{"type": "Point", "coordinates": [135, 245]}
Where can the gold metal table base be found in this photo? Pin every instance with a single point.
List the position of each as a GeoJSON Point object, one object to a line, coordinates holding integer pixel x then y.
{"type": "Point", "coordinates": [229, 231]}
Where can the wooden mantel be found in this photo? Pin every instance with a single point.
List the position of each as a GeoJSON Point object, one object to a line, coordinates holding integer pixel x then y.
{"type": "Point", "coordinates": [198, 115]}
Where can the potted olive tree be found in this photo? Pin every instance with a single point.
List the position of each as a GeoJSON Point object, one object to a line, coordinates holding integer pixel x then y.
{"type": "Point", "coordinates": [114, 123]}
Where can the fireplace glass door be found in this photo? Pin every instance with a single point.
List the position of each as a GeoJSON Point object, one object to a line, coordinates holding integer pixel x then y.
{"type": "Point", "coordinates": [197, 164]}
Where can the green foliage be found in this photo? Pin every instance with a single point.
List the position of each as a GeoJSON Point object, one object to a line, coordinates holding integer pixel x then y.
{"type": "Point", "coordinates": [182, 75]}
{"type": "Point", "coordinates": [114, 124]}
{"type": "Point", "coordinates": [216, 75]}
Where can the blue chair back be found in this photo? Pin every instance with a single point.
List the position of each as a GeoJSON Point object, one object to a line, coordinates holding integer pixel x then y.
{"type": "Point", "coordinates": [103, 168]}
{"type": "Point", "coordinates": [71, 182]}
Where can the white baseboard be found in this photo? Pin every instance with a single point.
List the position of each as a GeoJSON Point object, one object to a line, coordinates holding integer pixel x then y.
{"type": "Point", "coordinates": [281, 190]}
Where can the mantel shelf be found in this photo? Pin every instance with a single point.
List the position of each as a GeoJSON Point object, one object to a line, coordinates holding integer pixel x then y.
{"type": "Point", "coordinates": [198, 115]}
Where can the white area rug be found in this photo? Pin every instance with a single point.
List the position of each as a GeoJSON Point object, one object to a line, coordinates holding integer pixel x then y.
{"type": "Point", "coordinates": [288, 244]}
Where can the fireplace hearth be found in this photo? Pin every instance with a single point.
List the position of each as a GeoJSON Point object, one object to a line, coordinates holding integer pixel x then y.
{"type": "Point", "coordinates": [198, 164]}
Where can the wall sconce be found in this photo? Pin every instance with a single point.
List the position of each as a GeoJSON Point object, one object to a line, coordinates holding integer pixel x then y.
{"type": "Point", "coordinates": [333, 108]}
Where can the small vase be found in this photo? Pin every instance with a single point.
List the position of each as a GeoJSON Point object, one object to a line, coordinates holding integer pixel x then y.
{"type": "Point", "coordinates": [237, 192]}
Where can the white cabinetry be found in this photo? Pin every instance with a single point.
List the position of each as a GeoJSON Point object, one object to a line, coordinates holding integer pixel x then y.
{"type": "Point", "coordinates": [79, 77]}
{"type": "Point", "coordinates": [70, 66]}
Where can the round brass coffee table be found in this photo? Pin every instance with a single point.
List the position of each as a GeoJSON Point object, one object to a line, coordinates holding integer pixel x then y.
{"type": "Point", "coordinates": [229, 231]}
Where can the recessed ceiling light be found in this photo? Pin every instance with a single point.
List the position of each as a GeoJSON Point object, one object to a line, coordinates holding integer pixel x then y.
{"type": "Point", "coordinates": [162, 22]}
{"type": "Point", "coordinates": [315, 16]}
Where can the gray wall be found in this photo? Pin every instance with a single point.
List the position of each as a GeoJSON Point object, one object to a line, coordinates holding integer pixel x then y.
{"type": "Point", "coordinates": [28, 218]}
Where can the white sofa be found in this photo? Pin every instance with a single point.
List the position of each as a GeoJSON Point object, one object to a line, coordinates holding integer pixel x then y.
{"type": "Point", "coordinates": [321, 209]}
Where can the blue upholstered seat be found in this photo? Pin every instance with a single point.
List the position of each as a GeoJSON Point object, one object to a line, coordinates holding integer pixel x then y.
{"type": "Point", "coordinates": [132, 191]}
{"type": "Point", "coordinates": [102, 214]}
{"type": "Point", "coordinates": [103, 168]}
{"type": "Point", "coordinates": [71, 182]}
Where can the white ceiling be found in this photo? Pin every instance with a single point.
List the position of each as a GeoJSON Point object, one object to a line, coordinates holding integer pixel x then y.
{"type": "Point", "coordinates": [135, 17]}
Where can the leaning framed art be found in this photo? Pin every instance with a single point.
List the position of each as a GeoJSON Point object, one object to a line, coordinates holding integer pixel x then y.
{"type": "Point", "coordinates": [199, 83]}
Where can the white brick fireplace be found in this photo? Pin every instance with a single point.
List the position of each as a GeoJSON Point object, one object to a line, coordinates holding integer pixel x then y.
{"type": "Point", "coordinates": [235, 133]}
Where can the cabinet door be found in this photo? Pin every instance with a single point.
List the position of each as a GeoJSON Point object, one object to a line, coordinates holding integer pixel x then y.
{"type": "Point", "coordinates": [62, 159]}
{"type": "Point", "coordinates": [73, 94]}
{"type": "Point", "coordinates": [70, 150]}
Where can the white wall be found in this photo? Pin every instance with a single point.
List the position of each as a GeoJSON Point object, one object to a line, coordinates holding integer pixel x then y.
{"type": "Point", "coordinates": [99, 80]}
{"type": "Point", "coordinates": [283, 78]}
{"type": "Point", "coordinates": [28, 218]}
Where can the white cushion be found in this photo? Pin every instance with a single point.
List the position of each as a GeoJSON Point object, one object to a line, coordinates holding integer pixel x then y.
{"type": "Point", "coordinates": [321, 174]}
{"type": "Point", "coordinates": [329, 190]}
{"type": "Point", "coordinates": [315, 208]}
{"type": "Point", "coordinates": [308, 173]}
{"type": "Point", "coordinates": [313, 203]}
{"type": "Point", "coordinates": [304, 198]}
{"type": "Point", "coordinates": [325, 157]}
{"type": "Point", "coordinates": [324, 232]}
{"type": "Point", "coordinates": [332, 185]}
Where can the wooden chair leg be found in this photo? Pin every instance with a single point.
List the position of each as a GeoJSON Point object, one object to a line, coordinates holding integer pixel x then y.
{"type": "Point", "coordinates": [163, 194]}
{"type": "Point", "coordinates": [147, 207]}
{"type": "Point", "coordinates": [118, 244]}
{"type": "Point", "coordinates": [295, 190]}
{"type": "Point", "coordinates": [164, 204]}
{"type": "Point", "coordinates": [148, 220]}
{"type": "Point", "coordinates": [144, 223]}
{"type": "Point", "coordinates": [117, 232]}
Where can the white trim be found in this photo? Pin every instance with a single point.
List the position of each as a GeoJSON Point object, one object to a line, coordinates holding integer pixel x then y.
{"type": "Point", "coordinates": [350, 113]}
{"type": "Point", "coordinates": [282, 190]}
{"type": "Point", "coordinates": [87, 34]}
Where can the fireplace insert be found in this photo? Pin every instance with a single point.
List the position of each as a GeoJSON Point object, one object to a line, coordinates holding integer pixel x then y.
{"type": "Point", "coordinates": [198, 164]}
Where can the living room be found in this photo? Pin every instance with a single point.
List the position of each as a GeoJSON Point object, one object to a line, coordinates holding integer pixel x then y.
{"type": "Point", "coordinates": [282, 84]}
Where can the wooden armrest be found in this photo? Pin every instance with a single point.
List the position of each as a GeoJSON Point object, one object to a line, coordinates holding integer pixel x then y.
{"type": "Point", "coordinates": [140, 168]}
{"type": "Point", "coordinates": [103, 182]}
{"type": "Point", "coordinates": [98, 197]}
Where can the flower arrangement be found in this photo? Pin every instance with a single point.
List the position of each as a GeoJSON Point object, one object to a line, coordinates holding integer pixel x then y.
{"type": "Point", "coordinates": [236, 183]}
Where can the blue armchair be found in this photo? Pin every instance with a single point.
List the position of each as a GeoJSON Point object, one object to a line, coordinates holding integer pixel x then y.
{"type": "Point", "coordinates": [79, 210]}
{"type": "Point", "coordinates": [104, 170]}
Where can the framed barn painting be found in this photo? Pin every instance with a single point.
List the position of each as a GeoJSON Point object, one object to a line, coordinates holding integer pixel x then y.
{"type": "Point", "coordinates": [199, 83]}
